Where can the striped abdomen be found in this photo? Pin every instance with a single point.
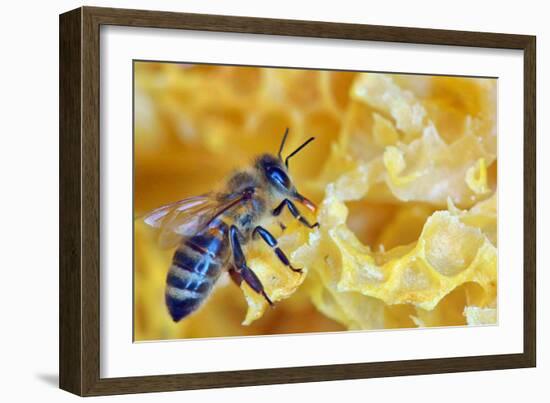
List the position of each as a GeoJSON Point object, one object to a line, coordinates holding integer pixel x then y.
{"type": "Point", "coordinates": [196, 265]}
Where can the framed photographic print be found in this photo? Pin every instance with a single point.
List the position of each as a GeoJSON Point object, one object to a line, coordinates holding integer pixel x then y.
{"type": "Point", "coordinates": [251, 201]}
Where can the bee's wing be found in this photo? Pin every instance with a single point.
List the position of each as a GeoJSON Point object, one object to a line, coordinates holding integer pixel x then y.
{"type": "Point", "coordinates": [161, 216]}
{"type": "Point", "coordinates": [182, 218]}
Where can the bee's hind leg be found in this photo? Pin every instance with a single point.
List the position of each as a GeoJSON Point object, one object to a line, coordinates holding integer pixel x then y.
{"type": "Point", "coordinates": [241, 269]}
{"type": "Point", "coordinates": [272, 242]}
{"type": "Point", "coordinates": [235, 276]}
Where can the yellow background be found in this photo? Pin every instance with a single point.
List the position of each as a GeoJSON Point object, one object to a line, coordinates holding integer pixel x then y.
{"type": "Point", "coordinates": [195, 124]}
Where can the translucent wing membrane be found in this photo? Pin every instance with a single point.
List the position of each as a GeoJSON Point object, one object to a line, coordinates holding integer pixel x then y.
{"type": "Point", "coordinates": [186, 217]}
{"type": "Point", "coordinates": [160, 216]}
{"type": "Point", "coordinates": [182, 218]}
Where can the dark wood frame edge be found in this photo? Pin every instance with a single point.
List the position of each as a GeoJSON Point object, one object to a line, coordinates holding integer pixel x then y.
{"type": "Point", "coordinates": [79, 200]}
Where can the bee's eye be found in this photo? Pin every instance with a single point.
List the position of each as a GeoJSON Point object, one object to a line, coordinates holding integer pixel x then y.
{"type": "Point", "coordinates": [278, 177]}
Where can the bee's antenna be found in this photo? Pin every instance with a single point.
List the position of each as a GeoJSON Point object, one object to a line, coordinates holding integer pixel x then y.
{"type": "Point", "coordinates": [283, 144]}
{"type": "Point", "coordinates": [298, 150]}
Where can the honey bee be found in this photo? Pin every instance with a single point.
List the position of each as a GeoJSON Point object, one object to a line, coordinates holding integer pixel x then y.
{"type": "Point", "coordinates": [210, 230]}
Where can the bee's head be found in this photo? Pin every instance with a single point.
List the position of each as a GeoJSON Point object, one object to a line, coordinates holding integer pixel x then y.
{"type": "Point", "coordinates": [275, 171]}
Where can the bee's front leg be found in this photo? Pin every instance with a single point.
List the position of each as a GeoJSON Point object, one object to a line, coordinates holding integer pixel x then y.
{"type": "Point", "coordinates": [239, 260]}
{"type": "Point", "coordinates": [294, 211]}
{"type": "Point", "coordinates": [271, 241]}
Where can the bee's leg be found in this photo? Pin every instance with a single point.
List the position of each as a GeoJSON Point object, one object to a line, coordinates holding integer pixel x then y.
{"type": "Point", "coordinates": [235, 276]}
{"type": "Point", "coordinates": [271, 241]}
{"type": "Point", "coordinates": [294, 211]}
{"type": "Point", "coordinates": [242, 269]}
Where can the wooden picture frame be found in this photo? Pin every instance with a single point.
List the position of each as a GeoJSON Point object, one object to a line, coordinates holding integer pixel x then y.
{"type": "Point", "coordinates": [80, 199]}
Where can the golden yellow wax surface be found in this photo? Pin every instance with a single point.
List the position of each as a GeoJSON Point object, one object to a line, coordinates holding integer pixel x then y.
{"type": "Point", "coordinates": [403, 169]}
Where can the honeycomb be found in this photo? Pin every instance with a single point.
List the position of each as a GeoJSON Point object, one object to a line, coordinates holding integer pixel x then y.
{"type": "Point", "coordinates": [404, 170]}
